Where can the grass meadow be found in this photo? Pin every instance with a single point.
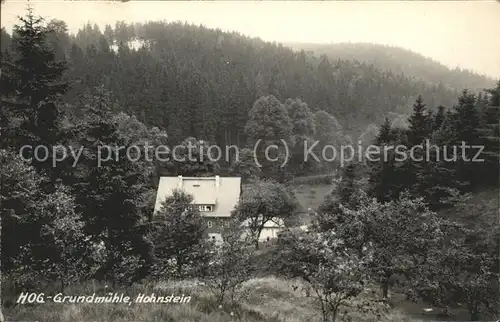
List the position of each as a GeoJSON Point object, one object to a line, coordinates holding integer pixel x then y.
{"type": "Point", "coordinates": [269, 299]}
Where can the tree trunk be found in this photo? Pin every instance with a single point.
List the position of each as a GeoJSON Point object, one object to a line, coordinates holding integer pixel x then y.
{"type": "Point", "coordinates": [324, 311]}
{"type": "Point", "coordinates": [257, 235]}
{"type": "Point", "coordinates": [334, 314]}
{"type": "Point", "coordinates": [474, 313]}
{"type": "Point", "coordinates": [220, 297]}
{"type": "Point", "coordinates": [385, 289]}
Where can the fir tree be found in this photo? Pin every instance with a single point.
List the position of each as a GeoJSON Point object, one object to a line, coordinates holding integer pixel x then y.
{"type": "Point", "coordinates": [347, 185]}
{"type": "Point", "coordinates": [383, 172]}
{"type": "Point", "coordinates": [34, 85]}
{"type": "Point", "coordinates": [438, 118]}
{"type": "Point", "coordinates": [437, 179]}
{"type": "Point", "coordinates": [42, 236]}
{"type": "Point", "coordinates": [465, 122]}
{"type": "Point", "coordinates": [384, 135]}
{"type": "Point", "coordinates": [418, 130]}
{"type": "Point", "coordinates": [495, 95]}
{"type": "Point", "coordinates": [108, 195]}
{"type": "Point", "coordinates": [490, 138]}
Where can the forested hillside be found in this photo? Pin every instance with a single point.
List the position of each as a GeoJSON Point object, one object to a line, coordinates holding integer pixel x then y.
{"type": "Point", "coordinates": [77, 211]}
{"type": "Point", "coordinates": [200, 82]}
{"type": "Point", "coordinates": [400, 61]}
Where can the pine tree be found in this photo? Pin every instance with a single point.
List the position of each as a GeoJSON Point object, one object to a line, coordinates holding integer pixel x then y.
{"type": "Point", "coordinates": [5, 40]}
{"type": "Point", "coordinates": [276, 83]}
{"type": "Point", "coordinates": [418, 130]}
{"type": "Point", "coordinates": [438, 118]}
{"type": "Point", "coordinates": [384, 135]}
{"type": "Point", "coordinates": [490, 138]}
{"type": "Point", "coordinates": [430, 122]}
{"type": "Point", "coordinates": [466, 118]}
{"type": "Point", "coordinates": [42, 238]}
{"type": "Point", "coordinates": [347, 185]}
{"type": "Point", "coordinates": [19, 193]}
{"type": "Point", "coordinates": [109, 33]}
{"type": "Point", "coordinates": [109, 192]}
{"type": "Point", "coordinates": [495, 95]}
{"type": "Point", "coordinates": [34, 86]}
{"type": "Point", "coordinates": [437, 179]}
{"type": "Point", "coordinates": [382, 179]}
{"type": "Point", "coordinates": [466, 123]}
{"type": "Point", "coordinates": [383, 173]}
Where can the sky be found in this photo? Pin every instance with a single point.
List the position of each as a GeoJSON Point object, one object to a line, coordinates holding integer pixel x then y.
{"type": "Point", "coordinates": [456, 33]}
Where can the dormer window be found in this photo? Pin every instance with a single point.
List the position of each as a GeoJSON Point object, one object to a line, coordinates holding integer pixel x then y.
{"type": "Point", "coordinates": [206, 208]}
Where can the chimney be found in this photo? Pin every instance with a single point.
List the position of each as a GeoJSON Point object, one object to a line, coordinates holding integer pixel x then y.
{"type": "Point", "coordinates": [179, 184]}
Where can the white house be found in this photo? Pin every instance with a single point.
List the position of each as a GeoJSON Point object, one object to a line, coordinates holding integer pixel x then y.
{"type": "Point", "coordinates": [270, 230]}
{"type": "Point", "coordinates": [216, 197]}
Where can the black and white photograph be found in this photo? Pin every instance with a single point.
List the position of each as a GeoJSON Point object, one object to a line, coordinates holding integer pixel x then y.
{"type": "Point", "coordinates": [249, 161]}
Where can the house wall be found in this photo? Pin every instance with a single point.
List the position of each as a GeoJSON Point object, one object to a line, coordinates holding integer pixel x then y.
{"type": "Point", "coordinates": [216, 224]}
{"type": "Point", "coordinates": [269, 232]}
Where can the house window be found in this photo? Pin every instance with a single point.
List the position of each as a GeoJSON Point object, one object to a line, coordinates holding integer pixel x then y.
{"type": "Point", "coordinates": [227, 223]}
{"type": "Point", "coordinates": [209, 224]}
{"type": "Point", "coordinates": [206, 208]}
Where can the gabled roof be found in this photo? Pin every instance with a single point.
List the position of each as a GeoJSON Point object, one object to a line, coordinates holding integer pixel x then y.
{"type": "Point", "coordinates": [203, 191]}
{"type": "Point", "coordinates": [222, 192]}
